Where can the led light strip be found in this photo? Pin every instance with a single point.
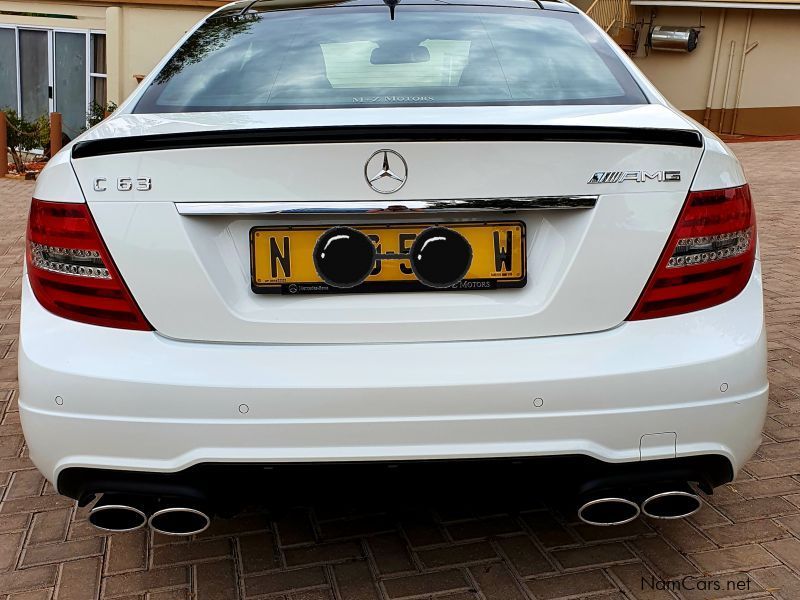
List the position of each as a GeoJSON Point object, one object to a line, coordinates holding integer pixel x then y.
{"type": "Point", "coordinates": [68, 261]}
{"type": "Point", "coordinates": [706, 249]}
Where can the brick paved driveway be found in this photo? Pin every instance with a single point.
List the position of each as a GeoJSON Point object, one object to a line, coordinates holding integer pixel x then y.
{"type": "Point", "coordinates": [747, 540]}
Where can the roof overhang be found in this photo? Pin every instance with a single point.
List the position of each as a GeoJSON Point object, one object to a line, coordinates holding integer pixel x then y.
{"type": "Point", "coordinates": [757, 4]}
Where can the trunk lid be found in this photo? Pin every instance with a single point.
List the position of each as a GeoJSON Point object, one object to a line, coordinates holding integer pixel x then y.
{"type": "Point", "coordinates": [191, 275]}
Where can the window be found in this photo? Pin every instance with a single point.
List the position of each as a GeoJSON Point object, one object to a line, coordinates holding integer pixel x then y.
{"type": "Point", "coordinates": [97, 74]}
{"type": "Point", "coordinates": [52, 70]}
{"type": "Point", "coordinates": [358, 56]}
{"type": "Point", "coordinates": [8, 69]}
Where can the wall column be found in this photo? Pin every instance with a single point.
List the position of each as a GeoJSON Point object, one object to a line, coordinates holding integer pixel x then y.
{"type": "Point", "coordinates": [114, 53]}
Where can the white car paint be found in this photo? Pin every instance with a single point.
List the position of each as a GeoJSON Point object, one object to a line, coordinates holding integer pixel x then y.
{"type": "Point", "coordinates": [232, 376]}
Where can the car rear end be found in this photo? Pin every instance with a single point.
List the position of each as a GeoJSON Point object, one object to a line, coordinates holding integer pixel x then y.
{"type": "Point", "coordinates": [176, 323]}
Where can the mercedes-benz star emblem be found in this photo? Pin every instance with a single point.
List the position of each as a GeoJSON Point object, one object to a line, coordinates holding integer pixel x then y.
{"type": "Point", "coordinates": [386, 171]}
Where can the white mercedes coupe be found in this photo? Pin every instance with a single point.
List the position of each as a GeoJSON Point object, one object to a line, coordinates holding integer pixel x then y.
{"type": "Point", "coordinates": [369, 237]}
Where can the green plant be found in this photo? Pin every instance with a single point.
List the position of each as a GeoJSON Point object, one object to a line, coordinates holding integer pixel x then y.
{"type": "Point", "coordinates": [97, 112]}
{"type": "Point", "coordinates": [24, 135]}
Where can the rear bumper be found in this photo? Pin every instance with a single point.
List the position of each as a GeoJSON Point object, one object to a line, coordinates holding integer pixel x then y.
{"type": "Point", "coordinates": [668, 388]}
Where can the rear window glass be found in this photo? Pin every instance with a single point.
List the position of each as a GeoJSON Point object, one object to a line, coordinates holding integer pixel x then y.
{"type": "Point", "coordinates": [358, 56]}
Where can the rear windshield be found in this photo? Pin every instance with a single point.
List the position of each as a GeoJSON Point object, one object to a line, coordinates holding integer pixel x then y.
{"type": "Point", "coordinates": [358, 56]}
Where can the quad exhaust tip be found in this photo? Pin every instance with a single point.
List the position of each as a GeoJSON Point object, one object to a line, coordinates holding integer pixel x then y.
{"type": "Point", "coordinates": [672, 504]}
{"type": "Point", "coordinates": [179, 520]}
{"type": "Point", "coordinates": [605, 512]}
{"type": "Point", "coordinates": [117, 518]}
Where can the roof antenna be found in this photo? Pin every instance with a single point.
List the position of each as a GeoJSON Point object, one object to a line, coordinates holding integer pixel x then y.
{"type": "Point", "coordinates": [391, 4]}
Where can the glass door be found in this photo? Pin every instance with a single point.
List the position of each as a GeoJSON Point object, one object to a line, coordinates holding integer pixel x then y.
{"type": "Point", "coordinates": [69, 75]}
{"type": "Point", "coordinates": [34, 73]}
{"type": "Point", "coordinates": [8, 68]}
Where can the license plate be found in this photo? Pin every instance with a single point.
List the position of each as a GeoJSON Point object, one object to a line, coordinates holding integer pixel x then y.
{"type": "Point", "coordinates": [281, 259]}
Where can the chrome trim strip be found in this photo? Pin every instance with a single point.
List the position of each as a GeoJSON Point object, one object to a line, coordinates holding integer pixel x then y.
{"type": "Point", "coordinates": [323, 207]}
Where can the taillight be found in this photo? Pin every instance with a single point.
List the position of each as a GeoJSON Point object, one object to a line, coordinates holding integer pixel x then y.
{"type": "Point", "coordinates": [71, 272]}
{"type": "Point", "coordinates": [708, 258]}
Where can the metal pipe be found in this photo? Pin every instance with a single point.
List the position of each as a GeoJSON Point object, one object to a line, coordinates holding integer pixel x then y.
{"type": "Point", "coordinates": [605, 511]}
{"type": "Point", "coordinates": [747, 48]}
{"type": "Point", "coordinates": [179, 520]}
{"type": "Point", "coordinates": [727, 84]}
{"type": "Point", "coordinates": [714, 66]}
{"type": "Point", "coordinates": [117, 513]}
{"type": "Point", "coordinates": [672, 502]}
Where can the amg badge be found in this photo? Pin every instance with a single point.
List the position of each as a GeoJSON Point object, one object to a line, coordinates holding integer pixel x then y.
{"type": "Point", "coordinates": [637, 176]}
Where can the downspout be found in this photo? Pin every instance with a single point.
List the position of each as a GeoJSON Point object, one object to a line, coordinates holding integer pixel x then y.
{"type": "Point", "coordinates": [714, 65]}
{"type": "Point", "coordinates": [727, 84]}
{"type": "Point", "coordinates": [745, 52]}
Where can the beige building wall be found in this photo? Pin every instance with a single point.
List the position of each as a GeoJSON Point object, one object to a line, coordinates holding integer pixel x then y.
{"type": "Point", "coordinates": [138, 34]}
{"type": "Point", "coordinates": [138, 37]}
{"type": "Point", "coordinates": [770, 86]}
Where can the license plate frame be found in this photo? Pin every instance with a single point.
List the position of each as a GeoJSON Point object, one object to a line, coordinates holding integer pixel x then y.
{"type": "Point", "coordinates": [278, 247]}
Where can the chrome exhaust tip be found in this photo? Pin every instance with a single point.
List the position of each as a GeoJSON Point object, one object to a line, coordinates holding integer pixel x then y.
{"type": "Point", "coordinates": [672, 504]}
{"type": "Point", "coordinates": [605, 512]}
{"type": "Point", "coordinates": [179, 520]}
{"type": "Point", "coordinates": [115, 515]}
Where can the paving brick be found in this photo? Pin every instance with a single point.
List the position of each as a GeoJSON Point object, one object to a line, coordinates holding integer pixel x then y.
{"type": "Point", "coordinates": [144, 581]}
{"type": "Point", "coordinates": [258, 552]}
{"type": "Point", "coordinates": [390, 554]}
{"type": "Point", "coordinates": [548, 530]}
{"type": "Point", "coordinates": [778, 581]}
{"type": "Point", "coordinates": [596, 555]}
{"type": "Point", "coordinates": [323, 553]}
{"type": "Point", "coordinates": [50, 553]}
{"type": "Point", "coordinates": [763, 530]}
{"type": "Point", "coordinates": [28, 579]}
{"type": "Point", "coordinates": [193, 552]}
{"type": "Point", "coordinates": [25, 484]}
{"type": "Point", "coordinates": [10, 545]}
{"type": "Point", "coordinates": [524, 556]}
{"type": "Point", "coordinates": [774, 486]}
{"type": "Point", "coordinates": [216, 580]}
{"type": "Point", "coordinates": [245, 523]}
{"type": "Point", "coordinates": [40, 594]}
{"type": "Point", "coordinates": [740, 558]}
{"type": "Point", "coordinates": [127, 551]}
{"type": "Point", "coordinates": [285, 581]}
{"type": "Point", "coordinates": [436, 582]}
{"type": "Point", "coordinates": [758, 508]}
{"type": "Point", "coordinates": [788, 551]}
{"type": "Point", "coordinates": [472, 552]}
{"type": "Point", "coordinates": [355, 581]}
{"type": "Point", "coordinates": [79, 580]}
{"type": "Point", "coordinates": [50, 526]}
{"type": "Point", "coordinates": [667, 562]}
{"type": "Point", "coordinates": [496, 582]}
{"type": "Point", "coordinates": [575, 585]}
{"type": "Point", "coordinates": [683, 535]}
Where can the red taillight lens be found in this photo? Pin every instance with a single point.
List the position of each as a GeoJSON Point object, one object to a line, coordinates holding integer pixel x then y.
{"type": "Point", "coordinates": [709, 256]}
{"type": "Point", "coordinates": [71, 272]}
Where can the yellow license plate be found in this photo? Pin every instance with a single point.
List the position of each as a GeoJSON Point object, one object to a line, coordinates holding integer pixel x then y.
{"type": "Point", "coordinates": [282, 258]}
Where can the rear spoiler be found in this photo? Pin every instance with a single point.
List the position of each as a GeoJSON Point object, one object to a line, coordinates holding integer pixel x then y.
{"type": "Point", "coordinates": [387, 134]}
